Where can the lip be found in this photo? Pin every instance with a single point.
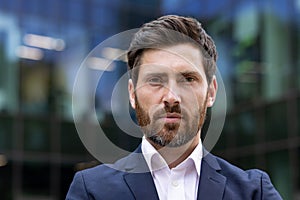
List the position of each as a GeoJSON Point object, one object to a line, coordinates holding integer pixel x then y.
{"type": "Point", "coordinates": [171, 117]}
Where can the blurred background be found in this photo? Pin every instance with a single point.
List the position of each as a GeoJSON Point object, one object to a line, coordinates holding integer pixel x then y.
{"type": "Point", "coordinates": [43, 42]}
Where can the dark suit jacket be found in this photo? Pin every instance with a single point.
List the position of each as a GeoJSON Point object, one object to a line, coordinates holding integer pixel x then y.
{"type": "Point", "coordinates": [129, 178]}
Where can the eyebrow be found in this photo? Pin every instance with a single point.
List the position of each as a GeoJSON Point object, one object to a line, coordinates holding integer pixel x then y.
{"type": "Point", "coordinates": [154, 74]}
{"type": "Point", "coordinates": [184, 73]}
{"type": "Point", "coordinates": [190, 73]}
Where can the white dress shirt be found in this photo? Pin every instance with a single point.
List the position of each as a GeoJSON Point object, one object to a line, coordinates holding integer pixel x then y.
{"type": "Point", "coordinates": [180, 182]}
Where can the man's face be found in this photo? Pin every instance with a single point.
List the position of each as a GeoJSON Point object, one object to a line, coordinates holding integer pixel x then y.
{"type": "Point", "coordinates": [171, 94]}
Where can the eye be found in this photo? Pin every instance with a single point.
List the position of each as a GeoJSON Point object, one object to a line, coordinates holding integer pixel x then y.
{"type": "Point", "coordinates": [155, 81]}
{"type": "Point", "coordinates": [189, 79]}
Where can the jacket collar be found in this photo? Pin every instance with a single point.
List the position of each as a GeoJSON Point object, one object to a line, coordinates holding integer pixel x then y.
{"type": "Point", "coordinates": [138, 177]}
{"type": "Point", "coordinates": [212, 183]}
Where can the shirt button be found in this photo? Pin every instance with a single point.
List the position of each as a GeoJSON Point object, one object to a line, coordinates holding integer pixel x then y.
{"type": "Point", "coordinates": [175, 183]}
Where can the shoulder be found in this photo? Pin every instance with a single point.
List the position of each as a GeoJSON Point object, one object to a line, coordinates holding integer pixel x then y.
{"type": "Point", "coordinates": [99, 173]}
{"type": "Point", "coordinates": [105, 175]}
{"type": "Point", "coordinates": [232, 171]}
{"type": "Point", "coordinates": [253, 180]}
{"type": "Point", "coordinates": [100, 182]}
{"type": "Point", "coordinates": [106, 181]}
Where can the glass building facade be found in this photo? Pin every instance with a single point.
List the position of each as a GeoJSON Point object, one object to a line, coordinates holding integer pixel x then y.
{"type": "Point", "coordinates": [42, 44]}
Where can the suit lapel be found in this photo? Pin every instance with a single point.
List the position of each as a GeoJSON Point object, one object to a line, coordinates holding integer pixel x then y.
{"type": "Point", "coordinates": [139, 178]}
{"type": "Point", "coordinates": [141, 185]}
{"type": "Point", "coordinates": [212, 183]}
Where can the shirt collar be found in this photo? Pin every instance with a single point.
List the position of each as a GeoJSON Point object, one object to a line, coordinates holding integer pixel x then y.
{"type": "Point", "coordinates": [155, 161]}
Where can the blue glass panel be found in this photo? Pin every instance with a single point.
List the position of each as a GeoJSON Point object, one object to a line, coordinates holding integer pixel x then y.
{"type": "Point", "coordinates": [76, 10]}
{"type": "Point", "coordinates": [195, 8]}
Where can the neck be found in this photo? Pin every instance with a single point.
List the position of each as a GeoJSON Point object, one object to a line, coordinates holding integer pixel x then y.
{"type": "Point", "coordinates": [175, 155]}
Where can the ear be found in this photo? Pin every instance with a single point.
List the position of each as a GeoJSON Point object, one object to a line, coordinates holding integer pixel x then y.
{"type": "Point", "coordinates": [131, 93]}
{"type": "Point", "coordinates": [212, 92]}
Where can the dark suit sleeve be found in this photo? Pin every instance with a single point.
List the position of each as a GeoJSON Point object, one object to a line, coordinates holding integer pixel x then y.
{"type": "Point", "coordinates": [77, 190]}
{"type": "Point", "coordinates": [268, 191]}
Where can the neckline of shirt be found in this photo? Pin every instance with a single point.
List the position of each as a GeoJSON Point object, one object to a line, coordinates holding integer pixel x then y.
{"type": "Point", "coordinates": [156, 162]}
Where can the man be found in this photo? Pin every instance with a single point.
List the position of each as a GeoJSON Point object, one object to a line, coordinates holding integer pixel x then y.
{"type": "Point", "coordinates": [172, 63]}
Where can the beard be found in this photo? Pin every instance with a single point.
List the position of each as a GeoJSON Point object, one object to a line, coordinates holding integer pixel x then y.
{"type": "Point", "coordinates": [171, 134]}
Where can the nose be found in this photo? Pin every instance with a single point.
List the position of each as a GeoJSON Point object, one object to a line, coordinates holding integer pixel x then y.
{"type": "Point", "coordinates": [172, 95]}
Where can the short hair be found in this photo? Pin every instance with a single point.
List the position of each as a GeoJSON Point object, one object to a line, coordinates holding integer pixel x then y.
{"type": "Point", "coordinates": [160, 33]}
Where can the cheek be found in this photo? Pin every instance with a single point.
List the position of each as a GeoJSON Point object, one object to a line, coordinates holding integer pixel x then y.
{"type": "Point", "coordinates": [194, 99]}
{"type": "Point", "coordinates": [145, 99]}
{"type": "Point", "coordinates": [146, 95]}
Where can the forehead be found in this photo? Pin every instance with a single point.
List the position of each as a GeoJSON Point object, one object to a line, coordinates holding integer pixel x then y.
{"type": "Point", "coordinates": [182, 57]}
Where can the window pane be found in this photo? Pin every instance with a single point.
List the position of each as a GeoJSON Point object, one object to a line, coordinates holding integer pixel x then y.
{"type": "Point", "coordinates": [276, 121]}
{"type": "Point", "coordinates": [36, 178]}
{"type": "Point", "coordinates": [278, 169]}
{"type": "Point", "coordinates": [5, 181]}
{"type": "Point", "coordinates": [36, 135]}
{"type": "Point", "coordinates": [246, 128]}
{"type": "Point", "coordinates": [35, 88]}
{"type": "Point", "coordinates": [70, 141]}
{"type": "Point", "coordinates": [6, 132]}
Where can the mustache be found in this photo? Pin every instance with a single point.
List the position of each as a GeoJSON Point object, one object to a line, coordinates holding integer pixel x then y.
{"type": "Point", "coordinates": [173, 109]}
{"type": "Point", "coordinates": [168, 109]}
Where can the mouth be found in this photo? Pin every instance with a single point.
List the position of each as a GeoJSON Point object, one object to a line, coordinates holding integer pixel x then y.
{"type": "Point", "coordinates": [171, 117]}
